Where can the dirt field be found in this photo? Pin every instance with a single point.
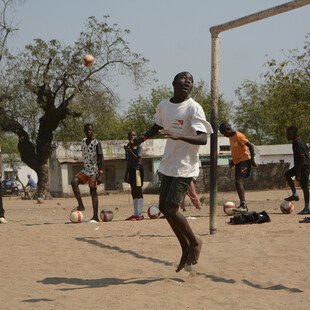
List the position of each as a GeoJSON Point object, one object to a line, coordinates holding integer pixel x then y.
{"type": "Point", "coordinates": [49, 263]}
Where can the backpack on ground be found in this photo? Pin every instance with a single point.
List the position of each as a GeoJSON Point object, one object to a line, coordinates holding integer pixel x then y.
{"type": "Point", "coordinates": [250, 217]}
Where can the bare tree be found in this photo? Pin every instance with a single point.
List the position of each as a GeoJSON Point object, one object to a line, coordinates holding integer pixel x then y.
{"type": "Point", "coordinates": [42, 82]}
{"type": "Point", "coordinates": [7, 26]}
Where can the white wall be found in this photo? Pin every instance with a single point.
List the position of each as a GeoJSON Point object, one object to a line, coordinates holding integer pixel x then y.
{"type": "Point", "coordinates": [265, 159]}
{"type": "Point", "coordinates": [23, 171]}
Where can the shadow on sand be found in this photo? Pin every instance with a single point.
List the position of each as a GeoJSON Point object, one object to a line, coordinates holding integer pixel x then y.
{"type": "Point", "coordinates": [103, 282]}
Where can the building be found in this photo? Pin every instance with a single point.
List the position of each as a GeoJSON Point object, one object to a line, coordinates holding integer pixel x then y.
{"type": "Point", "coordinates": [279, 153]}
{"type": "Point", "coordinates": [66, 161]}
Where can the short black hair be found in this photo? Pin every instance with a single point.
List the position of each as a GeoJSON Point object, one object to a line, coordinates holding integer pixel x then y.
{"type": "Point", "coordinates": [224, 127]}
{"type": "Point", "coordinates": [182, 73]}
{"type": "Point", "coordinates": [292, 129]}
{"type": "Point", "coordinates": [87, 125]}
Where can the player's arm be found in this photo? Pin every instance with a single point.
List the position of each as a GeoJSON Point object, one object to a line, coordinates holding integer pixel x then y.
{"type": "Point", "coordinates": [149, 134]}
{"type": "Point", "coordinates": [251, 149]}
{"type": "Point", "coordinates": [100, 158]}
{"type": "Point", "coordinates": [200, 139]}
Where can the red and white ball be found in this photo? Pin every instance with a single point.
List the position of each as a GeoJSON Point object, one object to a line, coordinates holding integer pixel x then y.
{"type": "Point", "coordinates": [228, 208]}
{"type": "Point", "coordinates": [106, 215]}
{"type": "Point", "coordinates": [153, 212]}
{"type": "Point", "coordinates": [286, 207]}
{"type": "Point", "coordinates": [76, 216]}
{"type": "Point", "coordinates": [88, 60]}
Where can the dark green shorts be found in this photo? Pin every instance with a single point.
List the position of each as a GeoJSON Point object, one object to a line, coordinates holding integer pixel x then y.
{"type": "Point", "coordinates": [173, 189]}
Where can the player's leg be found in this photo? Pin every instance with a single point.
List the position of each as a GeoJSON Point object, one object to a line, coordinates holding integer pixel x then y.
{"type": "Point", "coordinates": [139, 191]}
{"type": "Point", "coordinates": [304, 184]}
{"type": "Point", "coordinates": [239, 180]}
{"type": "Point", "coordinates": [183, 229]}
{"type": "Point", "coordinates": [140, 203]}
{"type": "Point", "coordinates": [177, 191]}
{"type": "Point", "coordinates": [134, 200]}
{"type": "Point", "coordinates": [94, 198]}
{"type": "Point", "coordinates": [289, 174]}
{"type": "Point", "coordinates": [77, 180]}
{"type": "Point", "coordinates": [2, 218]}
{"type": "Point", "coordinates": [164, 190]}
{"type": "Point", "coordinates": [242, 171]}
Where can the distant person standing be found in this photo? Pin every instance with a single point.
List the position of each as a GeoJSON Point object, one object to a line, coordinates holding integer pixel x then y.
{"type": "Point", "coordinates": [92, 172]}
{"type": "Point", "coordinates": [2, 218]}
{"type": "Point", "coordinates": [31, 186]}
{"type": "Point", "coordinates": [300, 170]}
{"type": "Point", "coordinates": [31, 183]}
{"type": "Point", "coordinates": [134, 175]}
{"type": "Point", "coordinates": [242, 152]}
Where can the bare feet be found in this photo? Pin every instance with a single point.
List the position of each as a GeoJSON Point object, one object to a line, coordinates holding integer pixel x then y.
{"type": "Point", "coordinates": [194, 253]}
{"type": "Point", "coordinates": [183, 260]}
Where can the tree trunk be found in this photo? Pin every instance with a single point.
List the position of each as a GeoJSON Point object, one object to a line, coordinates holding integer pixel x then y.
{"type": "Point", "coordinates": [43, 180]}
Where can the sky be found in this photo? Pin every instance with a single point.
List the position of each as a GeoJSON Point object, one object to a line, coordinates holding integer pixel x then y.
{"type": "Point", "coordinates": [174, 35]}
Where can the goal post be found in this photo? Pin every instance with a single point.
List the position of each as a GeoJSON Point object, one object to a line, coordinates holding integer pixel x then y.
{"type": "Point", "coordinates": [215, 43]}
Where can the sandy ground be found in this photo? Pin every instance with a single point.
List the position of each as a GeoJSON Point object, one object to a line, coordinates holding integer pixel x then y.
{"type": "Point", "coordinates": [49, 263]}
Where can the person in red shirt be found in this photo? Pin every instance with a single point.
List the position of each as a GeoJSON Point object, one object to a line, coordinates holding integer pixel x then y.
{"type": "Point", "coordinates": [242, 152]}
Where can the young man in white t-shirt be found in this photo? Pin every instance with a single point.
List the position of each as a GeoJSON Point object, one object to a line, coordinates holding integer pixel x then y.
{"type": "Point", "coordinates": [182, 120]}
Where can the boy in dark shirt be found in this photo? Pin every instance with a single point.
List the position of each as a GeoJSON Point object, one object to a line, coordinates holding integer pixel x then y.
{"type": "Point", "coordinates": [134, 175]}
{"type": "Point", "coordinates": [301, 168]}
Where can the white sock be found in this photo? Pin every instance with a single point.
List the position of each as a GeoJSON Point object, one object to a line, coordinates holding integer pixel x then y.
{"type": "Point", "coordinates": [135, 207]}
{"type": "Point", "coordinates": [140, 206]}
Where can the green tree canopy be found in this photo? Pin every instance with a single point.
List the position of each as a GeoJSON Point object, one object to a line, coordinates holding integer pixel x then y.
{"type": "Point", "coordinates": [282, 100]}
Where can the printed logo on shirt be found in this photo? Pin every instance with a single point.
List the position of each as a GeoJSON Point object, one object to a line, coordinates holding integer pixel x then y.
{"type": "Point", "coordinates": [177, 125]}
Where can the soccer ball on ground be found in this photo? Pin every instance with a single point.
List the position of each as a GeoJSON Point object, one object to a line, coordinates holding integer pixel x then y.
{"type": "Point", "coordinates": [228, 208]}
{"type": "Point", "coordinates": [153, 212]}
{"type": "Point", "coordinates": [106, 215]}
{"type": "Point", "coordinates": [286, 207]}
{"type": "Point", "coordinates": [76, 216]}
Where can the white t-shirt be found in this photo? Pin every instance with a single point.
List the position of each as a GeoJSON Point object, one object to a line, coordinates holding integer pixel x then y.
{"type": "Point", "coordinates": [181, 158]}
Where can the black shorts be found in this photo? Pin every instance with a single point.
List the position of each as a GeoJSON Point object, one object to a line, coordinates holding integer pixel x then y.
{"type": "Point", "coordinates": [243, 169]}
{"type": "Point", "coordinates": [173, 189]}
{"type": "Point", "coordinates": [132, 176]}
{"type": "Point", "coordinates": [304, 176]}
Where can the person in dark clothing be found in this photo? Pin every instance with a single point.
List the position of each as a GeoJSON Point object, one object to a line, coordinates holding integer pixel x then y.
{"type": "Point", "coordinates": [134, 175]}
{"type": "Point", "coordinates": [2, 218]}
{"type": "Point", "coordinates": [300, 170]}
